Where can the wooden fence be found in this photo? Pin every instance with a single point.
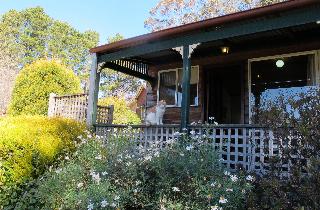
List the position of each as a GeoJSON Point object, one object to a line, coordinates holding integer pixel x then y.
{"type": "Point", "coordinates": [239, 146]}
{"type": "Point", "coordinates": [75, 107]}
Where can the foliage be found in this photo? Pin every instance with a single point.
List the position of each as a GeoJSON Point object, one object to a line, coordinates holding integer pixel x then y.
{"type": "Point", "coordinates": [34, 84]}
{"type": "Point", "coordinates": [122, 113]}
{"type": "Point", "coordinates": [114, 83]}
{"type": "Point", "coordinates": [170, 13]}
{"type": "Point", "coordinates": [31, 34]}
{"type": "Point", "coordinates": [118, 175]}
{"type": "Point", "coordinates": [8, 71]}
{"type": "Point", "coordinates": [294, 119]}
{"type": "Point", "coordinates": [28, 145]}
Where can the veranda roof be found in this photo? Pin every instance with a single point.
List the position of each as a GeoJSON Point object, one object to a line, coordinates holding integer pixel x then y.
{"type": "Point", "coordinates": [217, 23]}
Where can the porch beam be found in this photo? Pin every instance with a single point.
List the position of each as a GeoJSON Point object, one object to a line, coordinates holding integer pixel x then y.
{"type": "Point", "coordinates": [185, 103]}
{"type": "Point", "coordinates": [287, 19]}
{"type": "Point", "coordinates": [129, 71]}
{"type": "Point", "coordinates": [93, 92]}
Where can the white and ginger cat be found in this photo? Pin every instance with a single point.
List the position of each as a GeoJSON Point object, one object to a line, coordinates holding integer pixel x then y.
{"type": "Point", "coordinates": [155, 114]}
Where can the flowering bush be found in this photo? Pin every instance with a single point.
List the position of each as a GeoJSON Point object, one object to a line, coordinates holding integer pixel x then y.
{"type": "Point", "coordinates": [28, 145]}
{"type": "Point", "coordinates": [294, 119]}
{"type": "Point", "coordinates": [121, 175]}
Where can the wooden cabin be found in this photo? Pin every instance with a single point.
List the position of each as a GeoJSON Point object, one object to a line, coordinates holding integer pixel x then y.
{"type": "Point", "coordinates": [221, 68]}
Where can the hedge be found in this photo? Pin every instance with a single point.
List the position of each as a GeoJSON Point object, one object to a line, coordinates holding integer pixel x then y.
{"type": "Point", "coordinates": [28, 145]}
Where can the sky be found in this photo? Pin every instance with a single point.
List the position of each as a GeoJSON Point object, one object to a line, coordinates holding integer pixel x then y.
{"type": "Point", "coordinates": [107, 17]}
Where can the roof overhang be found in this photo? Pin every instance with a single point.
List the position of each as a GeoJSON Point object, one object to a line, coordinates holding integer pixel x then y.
{"type": "Point", "coordinates": [277, 16]}
{"type": "Point", "coordinates": [129, 55]}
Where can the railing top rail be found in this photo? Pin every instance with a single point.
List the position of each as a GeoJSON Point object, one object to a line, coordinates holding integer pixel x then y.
{"type": "Point", "coordinates": [177, 126]}
{"type": "Point", "coordinates": [138, 126]}
{"type": "Point", "coordinates": [72, 95]}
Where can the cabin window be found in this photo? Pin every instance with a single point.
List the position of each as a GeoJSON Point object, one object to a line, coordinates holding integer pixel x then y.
{"type": "Point", "coordinates": [280, 76]}
{"type": "Point", "coordinates": [167, 87]}
{"type": "Point", "coordinates": [170, 86]}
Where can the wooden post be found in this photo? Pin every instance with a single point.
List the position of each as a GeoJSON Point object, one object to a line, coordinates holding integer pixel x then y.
{"type": "Point", "coordinates": [185, 103]}
{"type": "Point", "coordinates": [93, 92]}
{"type": "Point", "coordinates": [52, 104]}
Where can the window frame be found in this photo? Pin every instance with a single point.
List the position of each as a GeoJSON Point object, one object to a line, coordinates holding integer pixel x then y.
{"type": "Point", "coordinates": [176, 84]}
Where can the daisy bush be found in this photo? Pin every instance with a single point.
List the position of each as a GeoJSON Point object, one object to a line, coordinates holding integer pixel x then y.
{"type": "Point", "coordinates": [119, 174]}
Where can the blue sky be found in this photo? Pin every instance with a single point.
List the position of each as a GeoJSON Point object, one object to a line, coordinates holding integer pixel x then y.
{"type": "Point", "coordinates": [107, 17]}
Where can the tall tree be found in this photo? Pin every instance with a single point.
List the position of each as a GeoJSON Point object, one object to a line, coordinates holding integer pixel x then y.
{"type": "Point", "coordinates": [170, 13]}
{"type": "Point", "coordinates": [115, 83]}
{"type": "Point", "coordinates": [30, 34]}
{"type": "Point", "coordinates": [36, 35]}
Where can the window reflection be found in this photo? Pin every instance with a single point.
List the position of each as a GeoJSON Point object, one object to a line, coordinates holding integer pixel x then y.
{"type": "Point", "coordinates": [167, 88]}
{"type": "Point", "coordinates": [269, 81]}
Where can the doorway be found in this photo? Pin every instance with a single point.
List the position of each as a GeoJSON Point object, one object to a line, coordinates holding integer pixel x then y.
{"type": "Point", "coordinates": [223, 94]}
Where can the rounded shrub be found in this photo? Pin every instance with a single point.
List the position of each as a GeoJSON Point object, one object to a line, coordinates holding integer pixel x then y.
{"type": "Point", "coordinates": [34, 84]}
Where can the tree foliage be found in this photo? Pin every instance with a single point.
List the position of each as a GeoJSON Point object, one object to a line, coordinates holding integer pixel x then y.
{"type": "Point", "coordinates": [122, 113]}
{"type": "Point", "coordinates": [8, 71]}
{"type": "Point", "coordinates": [170, 13]}
{"type": "Point", "coordinates": [115, 83]}
{"type": "Point", "coordinates": [31, 34]}
{"type": "Point", "coordinates": [34, 84]}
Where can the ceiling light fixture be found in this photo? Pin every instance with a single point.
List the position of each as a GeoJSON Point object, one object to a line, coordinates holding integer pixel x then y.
{"type": "Point", "coordinates": [225, 50]}
{"type": "Point", "coordinates": [280, 63]}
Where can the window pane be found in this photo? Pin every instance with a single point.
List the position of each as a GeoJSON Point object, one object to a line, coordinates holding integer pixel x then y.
{"type": "Point", "coordinates": [193, 86]}
{"type": "Point", "coordinates": [167, 88]}
{"type": "Point", "coordinates": [269, 80]}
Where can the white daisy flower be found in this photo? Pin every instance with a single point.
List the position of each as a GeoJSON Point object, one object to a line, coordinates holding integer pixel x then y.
{"type": "Point", "coordinates": [190, 147]}
{"type": "Point", "coordinates": [176, 189]}
{"type": "Point", "coordinates": [223, 200]}
{"type": "Point", "coordinates": [79, 185]}
{"type": "Point", "coordinates": [104, 203]}
{"type": "Point", "coordinates": [249, 178]}
{"type": "Point", "coordinates": [234, 178]}
{"type": "Point", "coordinates": [90, 206]}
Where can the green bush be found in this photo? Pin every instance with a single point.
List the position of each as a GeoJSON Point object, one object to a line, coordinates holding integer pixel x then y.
{"type": "Point", "coordinates": [184, 175]}
{"type": "Point", "coordinates": [28, 145]}
{"type": "Point", "coordinates": [34, 84]}
{"type": "Point", "coordinates": [122, 113]}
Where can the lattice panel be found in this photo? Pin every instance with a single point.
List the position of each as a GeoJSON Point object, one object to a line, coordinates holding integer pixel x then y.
{"type": "Point", "coordinates": [75, 107]}
{"type": "Point", "coordinates": [245, 147]}
{"type": "Point", "coordinates": [105, 114]}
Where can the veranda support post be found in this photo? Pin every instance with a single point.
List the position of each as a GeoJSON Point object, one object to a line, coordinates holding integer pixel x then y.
{"type": "Point", "coordinates": [185, 103]}
{"type": "Point", "coordinates": [93, 92]}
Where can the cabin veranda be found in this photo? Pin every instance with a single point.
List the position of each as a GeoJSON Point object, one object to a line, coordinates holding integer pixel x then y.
{"type": "Point", "coordinates": [218, 71]}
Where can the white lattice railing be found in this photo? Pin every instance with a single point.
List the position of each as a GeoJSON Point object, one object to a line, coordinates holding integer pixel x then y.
{"type": "Point", "coordinates": [240, 146]}
{"type": "Point", "coordinates": [75, 107]}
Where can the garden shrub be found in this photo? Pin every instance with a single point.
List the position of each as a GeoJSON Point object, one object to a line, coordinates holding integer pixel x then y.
{"type": "Point", "coordinates": [113, 175]}
{"type": "Point", "coordinates": [34, 84]}
{"type": "Point", "coordinates": [122, 113]}
{"type": "Point", "coordinates": [28, 145]}
{"type": "Point", "coordinates": [294, 119]}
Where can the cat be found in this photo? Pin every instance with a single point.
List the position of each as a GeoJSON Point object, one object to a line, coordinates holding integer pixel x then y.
{"type": "Point", "coordinates": [155, 114]}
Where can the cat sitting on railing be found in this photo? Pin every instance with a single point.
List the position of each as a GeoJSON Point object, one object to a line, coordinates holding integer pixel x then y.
{"type": "Point", "coordinates": [155, 114]}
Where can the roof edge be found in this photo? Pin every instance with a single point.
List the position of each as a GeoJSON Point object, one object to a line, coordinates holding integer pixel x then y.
{"type": "Point", "coordinates": [190, 27]}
